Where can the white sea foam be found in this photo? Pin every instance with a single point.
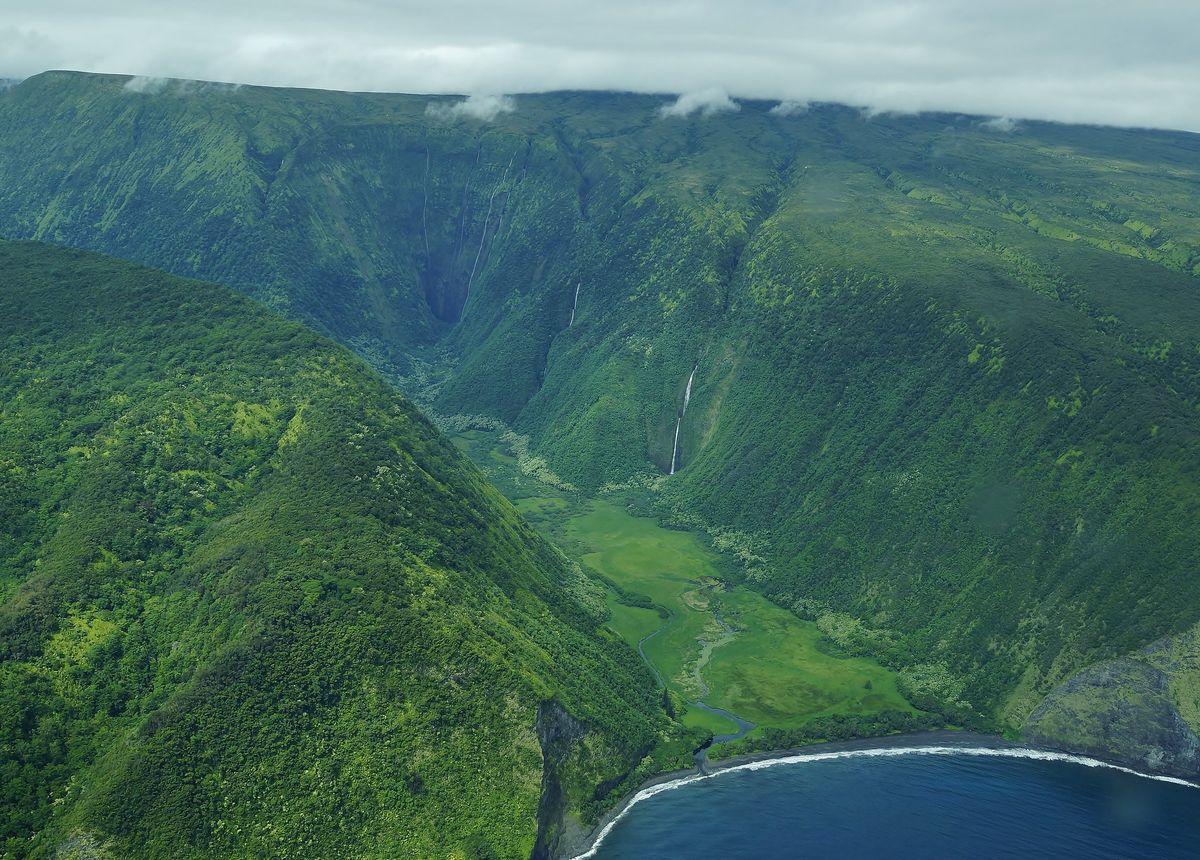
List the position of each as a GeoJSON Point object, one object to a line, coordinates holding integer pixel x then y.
{"type": "Point", "coordinates": [879, 752]}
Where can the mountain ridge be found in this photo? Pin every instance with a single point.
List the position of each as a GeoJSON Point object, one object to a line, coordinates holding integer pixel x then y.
{"type": "Point", "coordinates": [254, 603]}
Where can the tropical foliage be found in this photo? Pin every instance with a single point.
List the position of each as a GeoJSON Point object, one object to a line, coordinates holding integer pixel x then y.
{"type": "Point", "coordinates": [254, 605]}
{"type": "Point", "coordinates": [945, 393]}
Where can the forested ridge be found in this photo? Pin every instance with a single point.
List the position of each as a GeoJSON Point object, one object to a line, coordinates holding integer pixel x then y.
{"type": "Point", "coordinates": [254, 604]}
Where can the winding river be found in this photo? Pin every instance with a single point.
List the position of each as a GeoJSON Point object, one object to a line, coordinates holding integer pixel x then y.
{"type": "Point", "coordinates": [744, 727]}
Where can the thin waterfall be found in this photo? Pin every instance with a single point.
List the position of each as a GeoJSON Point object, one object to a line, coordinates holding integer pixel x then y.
{"type": "Point", "coordinates": [574, 305]}
{"type": "Point", "coordinates": [483, 235]}
{"type": "Point", "coordinates": [462, 223]}
{"type": "Point", "coordinates": [687, 396]}
{"type": "Point", "coordinates": [425, 206]}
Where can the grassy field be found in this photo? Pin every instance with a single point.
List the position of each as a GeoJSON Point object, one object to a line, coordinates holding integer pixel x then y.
{"type": "Point", "coordinates": [762, 663]}
{"type": "Point", "coordinates": [726, 646]}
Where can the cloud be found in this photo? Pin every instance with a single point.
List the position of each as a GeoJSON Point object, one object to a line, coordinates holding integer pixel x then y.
{"type": "Point", "coordinates": [705, 102]}
{"type": "Point", "coordinates": [484, 108]}
{"type": "Point", "coordinates": [174, 86]}
{"type": "Point", "coordinates": [869, 112]}
{"type": "Point", "coordinates": [1084, 61]}
{"type": "Point", "coordinates": [790, 107]}
{"type": "Point", "coordinates": [144, 84]}
{"type": "Point", "coordinates": [1002, 124]}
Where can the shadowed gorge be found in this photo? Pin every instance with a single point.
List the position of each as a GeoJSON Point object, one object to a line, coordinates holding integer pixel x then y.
{"type": "Point", "coordinates": [929, 384]}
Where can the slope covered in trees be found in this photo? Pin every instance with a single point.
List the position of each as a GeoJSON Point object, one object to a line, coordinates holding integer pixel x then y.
{"type": "Point", "coordinates": [253, 604]}
{"type": "Point", "coordinates": [945, 370]}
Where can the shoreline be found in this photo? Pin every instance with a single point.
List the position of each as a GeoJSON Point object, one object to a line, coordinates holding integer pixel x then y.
{"type": "Point", "coordinates": [579, 848]}
{"type": "Point", "coordinates": [943, 741]}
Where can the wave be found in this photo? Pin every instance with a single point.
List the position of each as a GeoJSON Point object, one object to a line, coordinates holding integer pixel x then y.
{"type": "Point", "coordinates": [876, 752]}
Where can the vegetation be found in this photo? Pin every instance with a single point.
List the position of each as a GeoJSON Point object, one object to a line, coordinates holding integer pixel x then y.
{"type": "Point", "coordinates": [945, 394]}
{"type": "Point", "coordinates": [840, 727]}
{"type": "Point", "coordinates": [670, 596]}
{"type": "Point", "coordinates": [729, 647]}
{"type": "Point", "coordinates": [253, 604]}
{"type": "Point", "coordinates": [1142, 709]}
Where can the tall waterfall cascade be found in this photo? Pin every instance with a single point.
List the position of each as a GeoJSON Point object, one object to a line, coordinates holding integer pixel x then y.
{"type": "Point", "coordinates": [483, 234]}
{"type": "Point", "coordinates": [687, 396]}
{"type": "Point", "coordinates": [574, 305]}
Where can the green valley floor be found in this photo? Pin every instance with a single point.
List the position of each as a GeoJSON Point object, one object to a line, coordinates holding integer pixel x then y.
{"type": "Point", "coordinates": [707, 638]}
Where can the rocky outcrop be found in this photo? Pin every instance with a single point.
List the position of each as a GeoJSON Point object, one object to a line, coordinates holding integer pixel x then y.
{"type": "Point", "coordinates": [1139, 710]}
{"type": "Point", "coordinates": [557, 732]}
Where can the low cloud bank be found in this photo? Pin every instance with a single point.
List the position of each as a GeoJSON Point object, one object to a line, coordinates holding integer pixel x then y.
{"type": "Point", "coordinates": [152, 86]}
{"type": "Point", "coordinates": [143, 84]}
{"type": "Point", "coordinates": [484, 108]}
{"type": "Point", "coordinates": [790, 107]}
{"type": "Point", "coordinates": [705, 102]}
{"type": "Point", "coordinates": [1002, 124]}
{"type": "Point", "coordinates": [1113, 63]}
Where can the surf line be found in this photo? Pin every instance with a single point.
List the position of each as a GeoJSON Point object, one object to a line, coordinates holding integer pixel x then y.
{"type": "Point", "coordinates": [878, 752]}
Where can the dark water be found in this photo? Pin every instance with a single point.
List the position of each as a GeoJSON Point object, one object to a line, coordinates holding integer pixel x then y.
{"type": "Point", "coordinates": [914, 806]}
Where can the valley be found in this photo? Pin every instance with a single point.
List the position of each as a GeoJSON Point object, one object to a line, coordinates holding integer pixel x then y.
{"type": "Point", "coordinates": [906, 362]}
{"type": "Point", "coordinates": [492, 465]}
{"type": "Point", "coordinates": [710, 641]}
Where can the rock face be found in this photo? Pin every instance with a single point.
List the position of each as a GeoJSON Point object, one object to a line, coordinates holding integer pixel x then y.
{"type": "Point", "coordinates": [1139, 710]}
{"type": "Point", "coordinates": [557, 733]}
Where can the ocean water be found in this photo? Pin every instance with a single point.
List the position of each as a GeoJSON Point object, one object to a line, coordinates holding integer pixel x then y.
{"type": "Point", "coordinates": [878, 804]}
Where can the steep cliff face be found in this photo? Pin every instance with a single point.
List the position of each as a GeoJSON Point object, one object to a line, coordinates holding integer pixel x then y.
{"type": "Point", "coordinates": [558, 734]}
{"type": "Point", "coordinates": [944, 379]}
{"type": "Point", "coordinates": [363, 215]}
{"type": "Point", "coordinates": [1142, 710]}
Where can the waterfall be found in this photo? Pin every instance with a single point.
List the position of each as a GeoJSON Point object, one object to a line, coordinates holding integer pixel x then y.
{"type": "Point", "coordinates": [462, 223]}
{"type": "Point", "coordinates": [687, 396]}
{"type": "Point", "coordinates": [483, 235]}
{"type": "Point", "coordinates": [425, 206]}
{"type": "Point", "coordinates": [574, 305]}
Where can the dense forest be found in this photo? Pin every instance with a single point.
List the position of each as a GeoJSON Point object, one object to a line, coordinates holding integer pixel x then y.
{"type": "Point", "coordinates": [253, 604]}
{"type": "Point", "coordinates": [945, 395]}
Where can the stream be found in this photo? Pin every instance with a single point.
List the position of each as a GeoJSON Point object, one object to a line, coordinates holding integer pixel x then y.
{"type": "Point", "coordinates": [744, 726]}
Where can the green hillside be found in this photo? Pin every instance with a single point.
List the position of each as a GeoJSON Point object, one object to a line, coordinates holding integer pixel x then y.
{"type": "Point", "coordinates": [945, 374]}
{"type": "Point", "coordinates": [252, 604]}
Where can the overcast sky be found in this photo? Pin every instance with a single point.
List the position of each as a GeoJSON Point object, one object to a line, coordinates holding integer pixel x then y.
{"type": "Point", "coordinates": [1132, 62]}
